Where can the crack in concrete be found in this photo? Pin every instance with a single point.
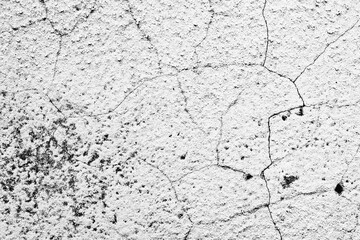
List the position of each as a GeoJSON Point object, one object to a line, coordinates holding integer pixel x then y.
{"type": "Point", "coordinates": [57, 31]}
{"type": "Point", "coordinates": [349, 162]}
{"type": "Point", "coordinates": [225, 167]}
{"type": "Point", "coordinates": [261, 206]}
{"type": "Point", "coordinates": [212, 12]}
{"type": "Point", "coordinates": [314, 60]}
{"type": "Point", "coordinates": [293, 82]}
{"type": "Point", "coordinates": [267, 33]}
{"type": "Point", "coordinates": [262, 174]}
{"type": "Point", "coordinates": [323, 51]}
{"type": "Point", "coordinates": [233, 103]}
{"type": "Point", "coordinates": [171, 182]}
{"type": "Point", "coordinates": [143, 33]}
{"type": "Point", "coordinates": [61, 35]}
{"type": "Point", "coordinates": [187, 110]}
{"type": "Point", "coordinates": [57, 59]}
{"type": "Point", "coordinates": [142, 82]}
{"type": "Point", "coordinates": [29, 24]}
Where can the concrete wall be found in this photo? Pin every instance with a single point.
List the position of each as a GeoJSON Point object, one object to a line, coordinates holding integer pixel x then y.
{"type": "Point", "coordinates": [164, 119]}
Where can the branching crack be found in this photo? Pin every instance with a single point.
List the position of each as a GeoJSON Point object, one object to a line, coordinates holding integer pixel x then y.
{"type": "Point", "coordinates": [52, 24]}
{"type": "Point", "coordinates": [323, 51]}
{"type": "Point", "coordinates": [262, 174]}
{"type": "Point", "coordinates": [171, 182]}
{"type": "Point", "coordinates": [314, 60]}
{"type": "Point", "coordinates": [293, 82]}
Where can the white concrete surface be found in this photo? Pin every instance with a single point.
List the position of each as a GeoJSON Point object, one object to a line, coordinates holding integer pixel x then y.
{"type": "Point", "coordinates": [179, 119]}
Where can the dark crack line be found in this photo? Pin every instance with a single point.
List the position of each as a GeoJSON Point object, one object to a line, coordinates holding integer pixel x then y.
{"type": "Point", "coordinates": [29, 24]}
{"type": "Point", "coordinates": [225, 167]}
{"type": "Point", "coordinates": [349, 162]}
{"type": "Point", "coordinates": [171, 182]}
{"type": "Point", "coordinates": [269, 209]}
{"type": "Point", "coordinates": [262, 174]}
{"type": "Point", "coordinates": [212, 12]}
{"type": "Point", "coordinates": [57, 31]}
{"type": "Point", "coordinates": [231, 168]}
{"type": "Point", "coordinates": [293, 82]}
{"type": "Point", "coordinates": [267, 33]}
{"type": "Point", "coordinates": [143, 33]}
{"type": "Point", "coordinates": [142, 82]}
{"type": "Point", "coordinates": [323, 51]}
{"type": "Point", "coordinates": [196, 170]}
{"type": "Point", "coordinates": [219, 140]}
{"type": "Point", "coordinates": [233, 103]}
{"type": "Point", "coordinates": [299, 94]}
{"type": "Point", "coordinates": [52, 103]}
{"type": "Point", "coordinates": [279, 74]}
{"type": "Point", "coordinates": [57, 59]}
{"type": "Point", "coordinates": [186, 108]}
{"type": "Point", "coordinates": [315, 59]}
{"type": "Point", "coordinates": [187, 234]}
{"type": "Point", "coordinates": [238, 214]}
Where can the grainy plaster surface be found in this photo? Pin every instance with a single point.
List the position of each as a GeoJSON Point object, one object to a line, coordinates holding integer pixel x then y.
{"type": "Point", "coordinates": [175, 119]}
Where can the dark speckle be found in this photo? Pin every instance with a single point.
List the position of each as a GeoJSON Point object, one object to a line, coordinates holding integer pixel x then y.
{"type": "Point", "coordinates": [288, 180]}
{"type": "Point", "coordinates": [182, 157]}
{"type": "Point", "coordinates": [301, 112]}
{"type": "Point", "coordinates": [248, 176]}
{"type": "Point", "coordinates": [284, 117]}
{"type": "Point", "coordinates": [339, 188]}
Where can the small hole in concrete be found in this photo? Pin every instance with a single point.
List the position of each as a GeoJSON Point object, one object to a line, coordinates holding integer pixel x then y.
{"type": "Point", "coordinates": [339, 188]}
{"type": "Point", "coordinates": [288, 180]}
{"type": "Point", "coordinates": [248, 176]}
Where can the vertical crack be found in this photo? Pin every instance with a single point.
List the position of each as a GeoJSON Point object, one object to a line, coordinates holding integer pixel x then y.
{"type": "Point", "coordinates": [143, 33]}
{"type": "Point", "coordinates": [233, 103]}
{"type": "Point", "coordinates": [171, 182]}
{"type": "Point", "coordinates": [267, 33]}
{"type": "Point", "coordinates": [212, 12]}
{"type": "Point", "coordinates": [349, 162]}
{"type": "Point", "coordinates": [186, 108]}
{"type": "Point", "coordinates": [262, 174]}
{"type": "Point", "coordinates": [57, 59]}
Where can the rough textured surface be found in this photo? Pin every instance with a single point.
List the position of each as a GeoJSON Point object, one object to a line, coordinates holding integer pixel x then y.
{"type": "Point", "coordinates": [179, 119]}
